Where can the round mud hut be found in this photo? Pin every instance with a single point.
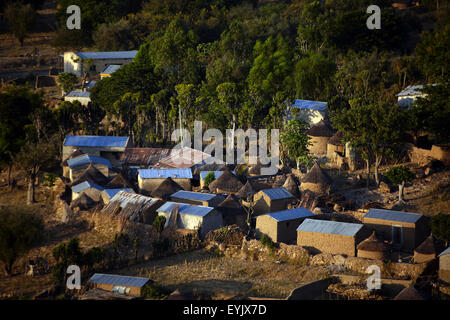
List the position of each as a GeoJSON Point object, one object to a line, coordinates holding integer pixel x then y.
{"type": "Point", "coordinates": [165, 189]}
{"type": "Point", "coordinates": [93, 175]}
{"type": "Point", "coordinates": [373, 248]}
{"type": "Point", "coordinates": [335, 146]}
{"type": "Point", "coordinates": [426, 251]}
{"type": "Point", "coordinates": [291, 185]}
{"type": "Point", "coordinates": [232, 212]}
{"type": "Point", "coordinates": [255, 170]}
{"type": "Point", "coordinates": [247, 191]}
{"type": "Point", "coordinates": [226, 183]}
{"type": "Point", "coordinates": [316, 180]}
{"type": "Point", "coordinates": [83, 202]}
{"type": "Point", "coordinates": [118, 182]}
{"type": "Point", "coordinates": [320, 133]}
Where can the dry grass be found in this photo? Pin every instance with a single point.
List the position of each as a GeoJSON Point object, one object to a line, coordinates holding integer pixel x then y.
{"type": "Point", "coordinates": [219, 276]}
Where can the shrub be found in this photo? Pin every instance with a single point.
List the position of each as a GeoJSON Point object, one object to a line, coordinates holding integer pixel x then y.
{"type": "Point", "coordinates": [159, 223]}
{"type": "Point", "coordinates": [49, 179]}
{"type": "Point", "coordinates": [440, 227]}
{"type": "Point", "coordinates": [153, 291]}
{"type": "Point", "coordinates": [267, 242]}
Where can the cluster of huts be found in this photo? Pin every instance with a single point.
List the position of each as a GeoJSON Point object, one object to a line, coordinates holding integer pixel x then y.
{"type": "Point", "coordinates": [138, 184]}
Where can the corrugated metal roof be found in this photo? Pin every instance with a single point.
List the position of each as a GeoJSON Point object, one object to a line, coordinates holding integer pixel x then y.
{"type": "Point", "coordinates": [165, 173]}
{"type": "Point", "coordinates": [183, 158]}
{"type": "Point", "coordinates": [291, 214]}
{"type": "Point", "coordinates": [126, 281]}
{"type": "Point", "coordinates": [411, 91]}
{"type": "Point", "coordinates": [107, 55]}
{"type": "Point", "coordinates": [217, 174]}
{"type": "Point", "coordinates": [85, 185]}
{"type": "Point", "coordinates": [96, 141]}
{"type": "Point", "coordinates": [91, 83]}
{"type": "Point", "coordinates": [308, 104]}
{"type": "Point", "coordinates": [112, 192]}
{"type": "Point", "coordinates": [79, 94]}
{"type": "Point", "coordinates": [111, 69]}
{"type": "Point", "coordinates": [132, 206]}
{"type": "Point", "coordinates": [144, 156]}
{"type": "Point", "coordinates": [85, 159]}
{"type": "Point", "coordinates": [446, 251]}
{"type": "Point", "coordinates": [330, 227]}
{"type": "Point", "coordinates": [184, 208]}
{"type": "Point", "coordinates": [393, 215]}
{"type": "Point", "coordinates": [191, 195]}
{"type": "Point", "coordinates": [277, 193]}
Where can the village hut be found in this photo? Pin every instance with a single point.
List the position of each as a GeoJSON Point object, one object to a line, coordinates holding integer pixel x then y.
{"type": "Point", "coordinates": [316, 180]}
{"type": "Point", "coordinates": [409, 293]}
{"type": "Point", "coordinates": [426, 251]}
{"type": "Point", "coordinates": [444, 265]}
{"type": "Point", "coordinates": [118, 283]}
{"type": "Point", "coordinates": [197, 198]}
{"type": "Point", "coordinates": [249, 189]}
{"type": "Point", "coordinates": [373, 248]}
{"type": "Point", "coordinates": [320, 133]}
{"type": "Point", "coordinates": [118, 182]}
{"type": "Point", "coordinates": [93, 175]}
{"type": "Point", "coordinates": [166, 189]}
{"type": "Point", "coordinates": [335, 148]}
{"type": "Point", "coordinates": [291, 185]}
{"type": "Point", "coordinates": [79, 164]}
{"type": "Point", "coordinates": [150, 179]}
{"type": "Point", "coordinates": [271, 200]}
{"type": "Point", "coordinates": [83, 202]}
{"type": "Point", "coordinates": [108, 194]}
{"type": "Point", "coordinates": [91, 189]}
{"type": "Point", "coordinates": [226, 183]}
{"type": "Point", "coordinates": [232, 212]}
{"type": "Point", "coordinates": [132, 207]}
{"type": "Point", "coordinates": [255, 170]}
{"type": "Point", "coordinates": [65, 166]}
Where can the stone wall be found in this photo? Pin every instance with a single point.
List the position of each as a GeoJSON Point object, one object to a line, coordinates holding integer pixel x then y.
{"type": "Point", "coordinates": [423, 156]}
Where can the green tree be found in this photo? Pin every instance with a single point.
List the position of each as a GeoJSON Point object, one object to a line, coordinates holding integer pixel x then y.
{"type": "Point", "coordinates": [20, 19]}
{"type": "Point", "coordinates": [114, 37]}
{"type": "Point", "coordinates": [159, 223]}
{"type": "Point", "coordinates": [440, 227]}
{"type": "Point", "coordinates": [66, 81]}
{"type": "Point", "coordinates": [19, 231]}
{"type": "Point", "coordinates": [210, 177]}
{"type": "Point", "coordinates": [295, 140]}
{"type": "Point", "coordinates": [399, 175]}
{"type": "Point", "coordinates": [67, 254]}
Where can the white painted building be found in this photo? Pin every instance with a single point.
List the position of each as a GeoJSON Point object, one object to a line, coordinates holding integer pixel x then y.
{"type": "Point", "coordinates": [83, 96]}
{"type": "Point", "coordinates": [406, 98]}
{"type": "Point", "coordinates": [310, 111]}
{"type": "Point", "coordinates": [73, 61]}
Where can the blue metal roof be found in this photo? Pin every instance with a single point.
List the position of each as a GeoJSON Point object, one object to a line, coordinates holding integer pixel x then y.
{"type": "Point", "coordinates": [85, 159]}
{"type": "Point", "coordinates": [446, 251]}
{"type": "Point", "coordinates": [217, 174]}
{"type": "Point", "coordinates": [277, 193]}
{"type": "Point", "coordinates": [330, 227]}
{"type": "Point", "coordinates": [112, 192]}
{"type": "Point", "coordinates": [291, 214]}
{"type": "Point", "coordinates": [111, 69]}
{"type": "Point", "coordinates": [91, 83]}
{"type": "Point", "coordinates": [126, 281]}
{"type": "Point", "coordinates": [85, 185]}
{"type": "Point", "coordinates": [392, 215]}
{"type": "Point", "coordinates": [79, 94]}
{"type": "Point", "coordinates": [308, 104]}
{"type": "Point", "coordinates": [96, 141]}
{"type": "Point", "coordinates": [165, 173]}
{"type": "Point", "coordinates": [184, 208]}
{"type": "Point", "coordinates": [191, 195]}
{"type": "Point", "coordinates": [107, 55]}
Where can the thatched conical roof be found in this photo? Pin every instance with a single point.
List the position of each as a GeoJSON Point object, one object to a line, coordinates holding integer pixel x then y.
{"type": "Point", "coordinates": [248, 190]}
{"type": "Point", "coordinates": [74, 154]}
{"type": "Point", "coordinates": [91, 174]}
{"type": "Point", "coordinates": [291, 185]}
{"type": "Point", "coordinates": [210, 167]}
{"type": "Point", "coordinates": [317, 175]}
{"type": "Point", "coordinates": [84, 202]}
{"type": "Point", "coordinates": [372, 243]}
{"type": "Point", "coordinates": [118, 182]}
{"type": "Point", "coordinates": [255, 170]}
{"type": "Point", "coordinates": [166, 189]}
{"type": "Point", "coordinates": [336, 139]}
{"type": "Point", "coordinates": [227, 182]}
{"type": "Point", "coordinates": [426, 247]}
{"type": "Point", "coordinates": [321, 129]}
{"type": "Point", "coordinates": [409, 293]}
{"type": "Point", "coordinates": [230, 206]}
